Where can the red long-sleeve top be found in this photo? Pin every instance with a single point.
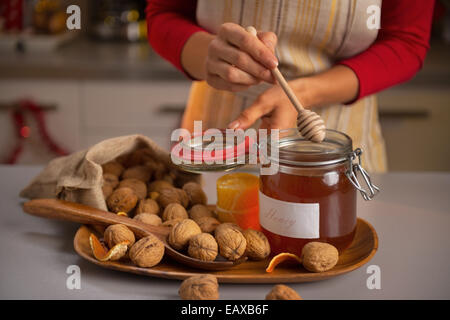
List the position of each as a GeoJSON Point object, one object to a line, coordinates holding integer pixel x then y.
{"type": "Point", "coordinates": [395, 56]}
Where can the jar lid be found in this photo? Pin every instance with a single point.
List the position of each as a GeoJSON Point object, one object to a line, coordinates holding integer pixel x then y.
{"type": "Point", "coordinates": [215, 150]}
{"type": "Point", "coordinates": [294, 149]}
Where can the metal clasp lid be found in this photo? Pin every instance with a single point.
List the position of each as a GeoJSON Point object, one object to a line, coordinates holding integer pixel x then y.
{"type": "Point", "coordinates": [352, 176]}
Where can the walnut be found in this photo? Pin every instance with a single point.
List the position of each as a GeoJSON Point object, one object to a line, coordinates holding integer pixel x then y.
{"type": "Point", "coordinates": [231, 242]}
{"type": "Point", "coordinates": [148, 218]}
{"type": "Point", "coordinates": [147, 206]}
{"type": "Point", "coordinates": [225, 225]}
{"type": "Point", "coordinates": [107, 189]}
{"type": "Point", "coordinates": [174, 211]}
{"type": "Point", "coordinates": [139, 157]}
{"type": "Point", "coordinates": [258, 246]}
{"type": "Point", "coordinates": [158, 185]}
{"type": "Point", "coordinates": [319, 256]}
{"type": "Point", "coordinates": [184, 199]}
{"type": "Point", "coordinates": [203, 246]}
{"type": "Point", "coordinates": [181, 233]}
{"type": "Point", "coordinates": [142, 173]}
{"type": "Point", "coordinates": [171, 223]}
{"type": "Point", "coordinates": [122, 200]}
{"type": "Point", "coordinates": [139, 187]}
{"type": "Point", "coordinates": [112, 180]}
{"type": "Point", "coordinates": [195, 193]}
{"type": "Point", "coordinates": [172, 195]}
{"type": "Point", "coordinates": [201, 287]}
{"type": "Point", "coordinates": [169, 178]}
{"type": "Point", "coordinates": [207, 224]}
{"type": "Point", "coordinates": [282, 292]}
{"type": "Point", "coordinates": [160, 170]}
{"type": "Point", "coordinates": [153, 195]}
{"type": "Point", "coordinates": [117, 233]}
{"type": "Point", "coordinates": [200, 210]}
{"type": "Point", "coordinates": [113, 167]}
{"type": "Point", "coordinates": [147, 252]}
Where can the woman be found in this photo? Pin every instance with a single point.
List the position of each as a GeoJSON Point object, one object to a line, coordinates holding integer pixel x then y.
{"type": "Point", "coordinates": [330, 50]}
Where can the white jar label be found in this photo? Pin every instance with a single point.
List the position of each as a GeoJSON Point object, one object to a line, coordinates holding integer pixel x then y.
{"type": "Point", "coordinates": [289, 219]}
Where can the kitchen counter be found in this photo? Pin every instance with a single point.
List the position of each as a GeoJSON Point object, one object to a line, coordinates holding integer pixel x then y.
{"type": "Point", "coordinates": [411, 216]}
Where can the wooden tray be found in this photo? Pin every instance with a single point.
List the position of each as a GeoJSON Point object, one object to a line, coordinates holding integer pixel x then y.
{"type": "Point", "coordinates": [362, 249]}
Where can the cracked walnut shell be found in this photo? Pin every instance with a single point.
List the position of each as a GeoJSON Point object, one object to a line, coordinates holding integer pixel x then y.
{"type": "Point", "coordinates": [147, 252]}
{"type": "Point", "coordinates": [283, 292]}
{"type": "Point", "coordinates": [258, 247]}
{"type": "Point", "coordinates": [319, 256]}
{"type": "Point", "coordinates": [122, 199]}
{"type": "Point", "coordinates": [203, 246]}
{"type": "Point", "coordinates": [181, 233]}
{"type": "Point", "coordinates": [231, 243]}
{"type": "Point", "coordinates": [118, 233]}
{"type": "Point", "coordinates": [201, 287]}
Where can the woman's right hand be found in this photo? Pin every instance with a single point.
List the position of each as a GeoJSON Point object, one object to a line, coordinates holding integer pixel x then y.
{"type": "Point", "coordinates": [236, 59]}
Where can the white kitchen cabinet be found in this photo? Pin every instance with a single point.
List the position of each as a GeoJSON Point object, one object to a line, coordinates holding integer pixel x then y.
{"type": "Point", "coordinates": [63, 123]}
{"type": "Point", "coordinates": [87, 112]}
{"type": "Point", "coordinates": [415, 123]}
{"type": "Point", "coordinates": [113, 108]}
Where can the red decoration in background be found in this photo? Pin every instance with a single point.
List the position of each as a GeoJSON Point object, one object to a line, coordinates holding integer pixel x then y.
{"type": "Point", "coordinates": [23, 131]}
{"type": "Point", "coordinates": [12, 13]}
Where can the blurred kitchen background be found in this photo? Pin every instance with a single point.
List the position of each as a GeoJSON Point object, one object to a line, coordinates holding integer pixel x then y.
{"type": "Point", "coordinates": [62, 91]}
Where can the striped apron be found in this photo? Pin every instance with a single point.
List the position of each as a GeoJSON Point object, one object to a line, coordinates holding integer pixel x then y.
{"type": "Point", "coordinates": [312, 35]}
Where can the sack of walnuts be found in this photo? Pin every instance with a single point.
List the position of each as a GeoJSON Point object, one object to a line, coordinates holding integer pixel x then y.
{"type": "Point", "coordinates": [91, 175]}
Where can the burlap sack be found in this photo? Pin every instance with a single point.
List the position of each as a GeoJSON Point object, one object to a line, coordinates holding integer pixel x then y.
{"type": "Point", "coordinates": [78, 177]}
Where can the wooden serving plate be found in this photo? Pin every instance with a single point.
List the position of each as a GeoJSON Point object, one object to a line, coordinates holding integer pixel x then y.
{"type": "Point", "coordinates": [362, 249]}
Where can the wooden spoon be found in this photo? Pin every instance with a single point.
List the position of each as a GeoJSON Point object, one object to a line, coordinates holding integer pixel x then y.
{"type": "Point", "coordinates": [309, 123]}
{"type": "Point", "coordinates": [75, 212]}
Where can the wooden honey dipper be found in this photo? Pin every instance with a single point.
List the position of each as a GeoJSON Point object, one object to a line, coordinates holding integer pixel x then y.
{"type": "Point", "coordinates": [309, 123]}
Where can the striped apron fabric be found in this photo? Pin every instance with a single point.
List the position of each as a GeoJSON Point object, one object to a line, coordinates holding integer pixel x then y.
{"type": "Point", "coordinates": [312, 35]}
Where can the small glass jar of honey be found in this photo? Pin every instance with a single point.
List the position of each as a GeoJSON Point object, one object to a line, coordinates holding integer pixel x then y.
{"type": "Point", "coordinates": [312, 196]}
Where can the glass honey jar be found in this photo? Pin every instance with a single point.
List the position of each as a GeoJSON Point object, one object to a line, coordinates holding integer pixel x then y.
{"type": "Point", "coordinates": [312, 196]}
{"type": "Point", "coordinates": [307, 190]}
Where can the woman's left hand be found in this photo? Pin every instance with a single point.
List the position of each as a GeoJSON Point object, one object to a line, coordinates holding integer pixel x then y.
{"type": "Point", "coordinates": [273, 107]}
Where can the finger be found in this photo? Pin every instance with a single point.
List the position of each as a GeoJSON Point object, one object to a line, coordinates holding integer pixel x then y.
{"type": "Point", "coordinates": [217, 82]}
{"type": "Point", "coordinates": [241, 60]}
{"type": "Point", "coordinates": [250, 115]}
{"type": "Point", "coordinates": [239, 37]}
{"type": "Point", "coordinates": [231, 74]}
{"type": "Point", "coordinates": [269, 39]}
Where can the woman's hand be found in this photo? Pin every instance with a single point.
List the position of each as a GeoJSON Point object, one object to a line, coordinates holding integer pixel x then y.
{"type": "Point", "coordinates": [273, 107]}
{"type": "Point", "coordinates": [236, 59]}
{"type": "Point", "coordinates": [338, 84]}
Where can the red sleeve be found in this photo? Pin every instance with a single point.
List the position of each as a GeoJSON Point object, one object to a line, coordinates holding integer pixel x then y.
{"type": "Point", "coordinates": [169, 24]}
{"type": "Point", "coordinates": [400, 48]}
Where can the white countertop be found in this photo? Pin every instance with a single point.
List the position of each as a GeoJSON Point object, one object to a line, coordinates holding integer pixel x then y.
{"type": "Point", "coordinates": [411, 216]}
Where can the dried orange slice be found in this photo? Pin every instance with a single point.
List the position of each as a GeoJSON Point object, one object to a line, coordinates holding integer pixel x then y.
{"type": "Point", "coordinates": [279, 258]}
{"type": "Point", "coordinates": [121, 213]}
{"type": "Point", "coordinates": [101, 253]}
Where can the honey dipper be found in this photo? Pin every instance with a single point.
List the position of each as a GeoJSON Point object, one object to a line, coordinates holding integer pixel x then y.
{"type": "Point", "coordinates": [309, 123]}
